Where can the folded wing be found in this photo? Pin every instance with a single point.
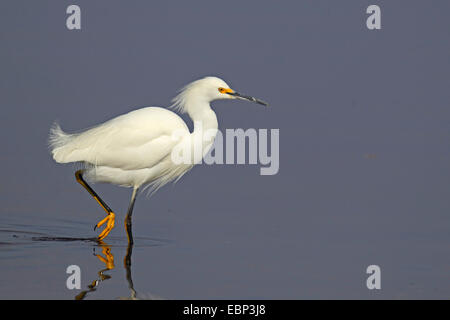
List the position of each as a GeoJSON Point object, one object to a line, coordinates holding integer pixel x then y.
{"type": "Point", "coordinates": [136, 140]}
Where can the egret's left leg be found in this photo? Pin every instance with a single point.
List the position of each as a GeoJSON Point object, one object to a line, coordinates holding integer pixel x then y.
{"type": "Point", "coordinates": [110, 218]}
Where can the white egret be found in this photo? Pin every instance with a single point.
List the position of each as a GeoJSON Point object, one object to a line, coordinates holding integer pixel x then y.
{"type": "Point", "coordinates": [134, 149]}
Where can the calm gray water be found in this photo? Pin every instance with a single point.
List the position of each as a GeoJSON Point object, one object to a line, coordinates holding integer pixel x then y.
{"type": "Point", "coordinates": [364, 150]}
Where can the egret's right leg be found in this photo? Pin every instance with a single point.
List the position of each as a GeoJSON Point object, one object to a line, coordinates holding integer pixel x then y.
{"type": "Point", "coordinates": [128, 217]}
{"type": "Point", "coordinates": [109, 220]}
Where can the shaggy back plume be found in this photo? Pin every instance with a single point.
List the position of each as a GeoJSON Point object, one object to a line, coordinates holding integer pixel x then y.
{"type": "Point", "coordinates": [57, 137]}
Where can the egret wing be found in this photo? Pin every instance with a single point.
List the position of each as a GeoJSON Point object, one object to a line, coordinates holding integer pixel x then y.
{"type": "Point", "coordinates": [136, 140]}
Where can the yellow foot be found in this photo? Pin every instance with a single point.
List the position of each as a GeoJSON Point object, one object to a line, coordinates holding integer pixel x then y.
{"type": "Point", "coordinates": [109, 220]}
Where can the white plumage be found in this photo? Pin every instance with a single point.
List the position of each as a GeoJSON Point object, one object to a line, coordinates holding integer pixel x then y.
{"type": "Point", "coordinates": [134, 149]}
{"type": "Point", "coordinates": [130, 150]}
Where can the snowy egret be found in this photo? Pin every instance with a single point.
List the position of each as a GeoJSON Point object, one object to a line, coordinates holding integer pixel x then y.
{"type": "Point", "coordinates": [134, 149]}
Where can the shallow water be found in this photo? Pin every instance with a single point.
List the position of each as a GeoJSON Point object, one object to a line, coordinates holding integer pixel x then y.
{"type": "Point", "coordinates": [200, 263]}
{"type": "Point", "coordinates": [37, 257]}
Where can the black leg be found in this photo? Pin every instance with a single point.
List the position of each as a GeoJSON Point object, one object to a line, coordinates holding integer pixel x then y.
{"type": "Point", "coordinates": [109, 218]}
{"type": "Point", "coordinates": [128, 217]}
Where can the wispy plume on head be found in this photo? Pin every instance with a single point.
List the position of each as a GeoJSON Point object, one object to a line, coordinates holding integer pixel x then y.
{"type": "Point", "coordinates": [190, 92]}
{"type": "Point", "coordinates": [180, 100]}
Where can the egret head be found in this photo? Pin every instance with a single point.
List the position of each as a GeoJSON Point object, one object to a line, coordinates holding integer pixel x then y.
{"type": "Point", "coordinates": [208, 89]}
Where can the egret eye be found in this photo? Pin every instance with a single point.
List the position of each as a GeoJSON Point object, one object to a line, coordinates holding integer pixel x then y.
{"type": "Point", "coordinates": [221, 90]}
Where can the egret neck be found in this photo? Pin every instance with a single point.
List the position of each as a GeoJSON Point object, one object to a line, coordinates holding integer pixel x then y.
{"type": "Point", "coordinates": [205, 128]}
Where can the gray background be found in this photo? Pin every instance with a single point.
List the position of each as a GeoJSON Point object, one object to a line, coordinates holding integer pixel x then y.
{"type": "Point", "coordinates": [364, 154]}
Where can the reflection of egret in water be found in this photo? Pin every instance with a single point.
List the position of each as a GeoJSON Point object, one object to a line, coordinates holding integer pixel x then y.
{"type": "Point", "coordinates": [108, 260]}
{"type": "Point", "coordinates": [127, 259]}
{"type": "Point", "coordinates": [106, 256]}
{"type": "Point", "coordinates": [127, 265]}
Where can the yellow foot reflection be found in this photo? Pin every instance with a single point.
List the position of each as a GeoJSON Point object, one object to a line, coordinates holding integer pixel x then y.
{"type": "Point", "coordinates": [108, 258]}
{"type": "Point", "coordinates": [109, 220]}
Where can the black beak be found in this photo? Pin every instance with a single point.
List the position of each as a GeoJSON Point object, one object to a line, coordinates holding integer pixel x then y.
{"type": "Point", "coordinates": [252, 99]}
